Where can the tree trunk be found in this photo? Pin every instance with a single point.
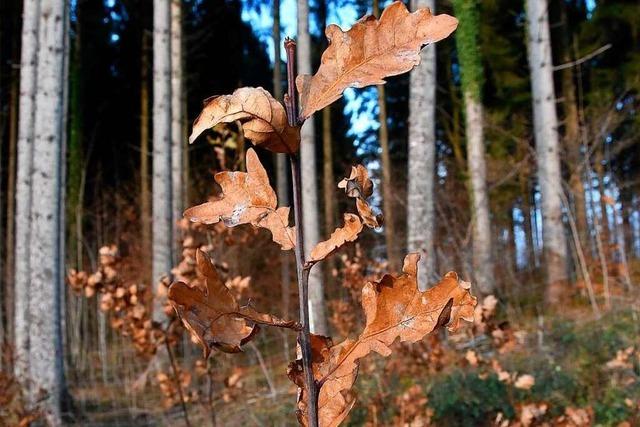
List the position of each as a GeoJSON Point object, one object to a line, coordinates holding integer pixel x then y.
{"type": "Point", "coordinates": [390, 232]}
{"type": "Point", "coordinates": [525, 205]}
{"type": "Point", "coordinates": [162, 204]}
{"type": "Point", "coordinates": [482, 259]}
{"type": "Point", "coordinates": [310, 222]}
{"type": "Point", "coordinates": [329, 184]}
{"type": "Point", "coordinates": [572, 140]}
{"type": "Point", "coordinates": [282, 167]}
{"type": "Point", "coordinates": [328, 178]}
{"type": "Point", "coordinates": [75, 171]}
{"type": "Point", "coordinates": [145, 193]}
{"type": "Point", "coordinates": [26, 129]}
{"type": "Point", "coordinates": [467, 38]}
{"type": "Point", "coordinates": [548, 157]}
{"type": "Point", "coordinates": [45, 353]}
{"type": "Point", "coordinates": [177, 129]}
{"type": "Point", "coordinates": [11, 194]}
{"type": "Point", "coordinates": [422, 161]}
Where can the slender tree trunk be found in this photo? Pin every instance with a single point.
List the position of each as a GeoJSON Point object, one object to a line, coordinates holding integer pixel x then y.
{"type": "Point", "coordinates": [177, 128]}
{"type": "Point", "coordinates": [573, 144]}
{"type": "Point", "coordinates": [11, 194]}
{"type": "Point", "coordinates": [328, 178]}
{"type": "Point", "coordinates": [76, 164]}
{"type": "Point", "coordinates": [282, 170]}
{"type": "Point", "coordinates": [525, 191]}
{"type": "Point", "coordinates": [421, 223]}
{"type": "Point", "coordinates": [329, 184]}
{"type": "Point", "coordinates": [3, 118]}
{"type": "Point", "coordinates": [145, 193]}
{"type": "Point", "coordinates": [572, 139]}
{"type": "Point", "coordinates": [390, 232]}
{"type": "Point", "coordinates": [162, 234]}
{"type": "Point", "coordinates": [311, 222]}
{"type": "Point", "coordinates": [605, 220]}
{"type": "Point", "coordinates": [26, 129]}
{"type": "Point", "coordinates": [45, 353]}
{"type": "Point", "coordinates": [548, 157]}
{"type": "Point", "coordinates": [62, 205]}
{"type": "Point", "coordinates": [482, 259]}
{"type": "Point", "coordinates": [467, 39]}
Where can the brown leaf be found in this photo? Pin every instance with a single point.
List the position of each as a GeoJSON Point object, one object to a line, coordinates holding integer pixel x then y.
{"type": "Point", "coordinates": [247, 198]}
{"type": "Point", "coordinates": [263, 119]}
{"type": "Point", "coordinates": [360, 187]}
{"type": "Point", "coordinates": [348, 233]}
{"type": "Point", "coordinates": [214, 316]}
{"type": "Point", "coordinates": [394, 308]}
{"type": "Point", "coordinates": [369, 52]}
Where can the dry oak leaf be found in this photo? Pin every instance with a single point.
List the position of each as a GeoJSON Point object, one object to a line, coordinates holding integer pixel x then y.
{"type": "Point", "coordinates": [213, 316]}
{"type": "Point", "coordinates": [394, 308]}
{"type": "Point", "coordinates": [348, 233]}
{"type": "Point", "coordinates": [263, 118]}
{"type": "Point", "coordinates": [247, 198]}
{"type": "Point", "coordinates": [369, 52]}
{"type": "Point", "coordinates": [360, 187]}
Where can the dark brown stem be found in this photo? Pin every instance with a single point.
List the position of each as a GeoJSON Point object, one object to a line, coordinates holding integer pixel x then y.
{"type": "Point", "coordinates": [290, 99]}
{"type": "Point", "coordinates": [304, 336]}
{"type": "Point", "coordinates": [176, 375]}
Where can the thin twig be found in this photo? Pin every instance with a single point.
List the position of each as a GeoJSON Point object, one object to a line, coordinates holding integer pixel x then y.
{"type": "Point", "coordinates": [584, 58]}
{"type": "Point", "coordinates": [304, 336]}
{"type": "Point", "coordinates": [581, 258]}
{"type": "Point", "coordinates": [172, 360]}
{"type": "Point", "coordinates": [264, 369]}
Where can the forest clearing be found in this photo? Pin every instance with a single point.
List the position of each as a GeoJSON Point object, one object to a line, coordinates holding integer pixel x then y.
{"type": "Point", "coordinates": [320, 213]}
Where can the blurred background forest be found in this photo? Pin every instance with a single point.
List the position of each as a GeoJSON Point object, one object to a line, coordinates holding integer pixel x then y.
{"type": "Point", "coordinates": [510, 155]}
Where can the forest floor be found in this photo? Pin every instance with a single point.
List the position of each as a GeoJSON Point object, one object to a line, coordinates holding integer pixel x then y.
{"type": "Point", "coordinates": [521, 370]}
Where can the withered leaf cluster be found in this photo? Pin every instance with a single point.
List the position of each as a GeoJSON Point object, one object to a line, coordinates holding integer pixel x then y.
{"type": "Point", "coordinates": [263, 119]}
{"type": "Point", "coordinates": [247, 198]}
{"type": "Point", "coordinates": [394, 308]}
{"type": "Point", "coordinates": [364, 55]}
{"type": "Point", "coordinates": [360, 187]}
{"type": "Point", "coordinates": [369, 52]}
{"type": "Point", "coordinates": [347, 233]}
{"type": "Point", "coordinates": [126, 302]}
{"type": "Point", "coordinates": [213, 316]}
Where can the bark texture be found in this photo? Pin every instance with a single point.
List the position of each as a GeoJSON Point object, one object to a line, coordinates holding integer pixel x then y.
{"type": "Point", "coordinates": [482, 264]}
{"type": "Point", "coordinates": [162, 204]}
{"type": "Point", "coordinates": [310, 221]}
{"type": "Point", "coordinates": [545, 123]}
{"type": "Point", "coordinates": [11, 203]}
{"type": "Point", "coordinates": [26, 128]}
{"type": "Point", "coordinates": [422, 150]}
{"type": "Point", "coordinates": [46, 255]}
{"type": "Point", "coordinates": [177, 130]}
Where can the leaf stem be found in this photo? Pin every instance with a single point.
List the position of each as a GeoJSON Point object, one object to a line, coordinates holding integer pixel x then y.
{"type": "Point", "coordinates": [304, 336]}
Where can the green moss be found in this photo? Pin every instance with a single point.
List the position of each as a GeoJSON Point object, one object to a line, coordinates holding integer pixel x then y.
{"type": "Point", "coordinates": [467, 38]}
